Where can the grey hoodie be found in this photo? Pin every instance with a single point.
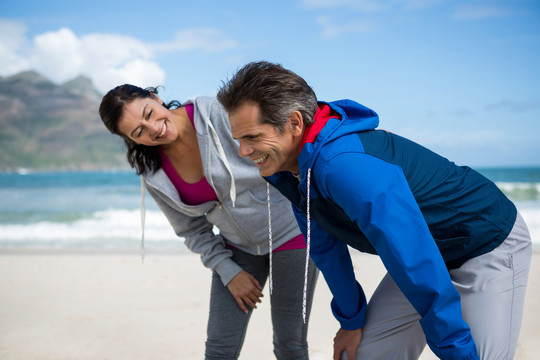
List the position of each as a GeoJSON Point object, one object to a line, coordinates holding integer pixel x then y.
{"type": "Point", "coordinates": [241, 212]}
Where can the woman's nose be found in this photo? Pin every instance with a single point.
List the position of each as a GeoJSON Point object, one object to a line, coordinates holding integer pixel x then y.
{"type": "Point", "coordinates": [153, 126]}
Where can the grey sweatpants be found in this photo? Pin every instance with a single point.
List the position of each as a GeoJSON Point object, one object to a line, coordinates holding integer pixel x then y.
{"type": "Point", "coordinates": [227, 323]}
{"type": "Point", "coordinates": [492, 288]}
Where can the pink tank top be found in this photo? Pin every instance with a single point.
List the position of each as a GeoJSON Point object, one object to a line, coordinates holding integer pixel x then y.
{"type": "Point", "coordinates": [201, 191]}
{"type": "Point", "coordinates": [191, 194]}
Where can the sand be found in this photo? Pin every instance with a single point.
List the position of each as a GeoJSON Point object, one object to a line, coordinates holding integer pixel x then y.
{"type": "Point", "coordinates": [110, 306]}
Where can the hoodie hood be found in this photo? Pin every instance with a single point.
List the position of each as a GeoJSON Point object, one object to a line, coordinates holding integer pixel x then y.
{"type": "Point", "coordinates": [206, 129]}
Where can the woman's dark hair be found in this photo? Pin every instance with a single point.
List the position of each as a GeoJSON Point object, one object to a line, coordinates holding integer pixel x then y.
{"type": "Point", "coordinates": [141, 157]}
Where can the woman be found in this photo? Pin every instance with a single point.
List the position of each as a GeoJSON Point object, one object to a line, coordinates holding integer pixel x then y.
{"type": "Point", "coordinates": [190, 165]}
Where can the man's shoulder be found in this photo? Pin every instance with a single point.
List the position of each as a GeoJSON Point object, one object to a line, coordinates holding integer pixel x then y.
{"type": "Point", "coordinates": [347, 143]}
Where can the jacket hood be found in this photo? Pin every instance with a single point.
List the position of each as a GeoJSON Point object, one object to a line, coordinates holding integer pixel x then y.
{"type": "Point", "coordinates": [348, 117]}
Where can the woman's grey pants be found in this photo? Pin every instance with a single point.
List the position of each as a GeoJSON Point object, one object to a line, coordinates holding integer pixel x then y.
{"type": "Point", "coordinates": [227, 323]}
{"type": "Point", "coordinates": [492, 288]}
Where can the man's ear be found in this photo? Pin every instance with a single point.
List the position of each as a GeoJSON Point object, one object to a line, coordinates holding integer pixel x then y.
{"type": "Point", "coordinates": [296, 121]}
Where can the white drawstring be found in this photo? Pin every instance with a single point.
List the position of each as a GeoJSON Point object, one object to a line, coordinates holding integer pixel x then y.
{"type": "Point", "coordinates": [221, 152]}
{"type": "Point", "coordinates": [269, 233]}
{"type": "Point", "coordinates": [143, 217]}
{"type": "Point", "coordinates": [308, 242]}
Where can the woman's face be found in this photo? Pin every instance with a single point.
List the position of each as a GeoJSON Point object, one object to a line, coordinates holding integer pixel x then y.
{"type": "Point", "coordinates": [146, 121]}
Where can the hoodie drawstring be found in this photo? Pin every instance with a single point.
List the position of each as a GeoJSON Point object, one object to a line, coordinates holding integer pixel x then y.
{"type": "Point", "coordinates": [221, 152]}
{"type": "Point", "coordinates": [143, 217]}
{"type": "Point", "coordinates": [308, 243]}
{"type": "Point", "coordinates": [269, 234]}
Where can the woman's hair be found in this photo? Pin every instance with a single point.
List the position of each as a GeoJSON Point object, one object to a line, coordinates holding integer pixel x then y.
{"type": "Point", "coordinates": [276, 90]}
{"type": "Point", "coordinates": [141, 157]}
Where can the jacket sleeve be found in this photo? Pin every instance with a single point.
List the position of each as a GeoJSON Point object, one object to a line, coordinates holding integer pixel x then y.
{"type": "Point", "coordinates": [199, 238]}
{"type": "Point", "coordinates": [376, 196]}
{"type": "Point", "coordinates": [332, 257]}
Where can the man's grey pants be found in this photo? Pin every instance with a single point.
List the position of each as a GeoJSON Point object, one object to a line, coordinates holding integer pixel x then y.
{"type": "Point", "coordinates": [492, 288]}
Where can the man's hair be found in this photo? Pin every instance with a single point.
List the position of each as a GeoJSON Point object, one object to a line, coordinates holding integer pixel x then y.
{"type": "Point", "coordinates": [276, 90]}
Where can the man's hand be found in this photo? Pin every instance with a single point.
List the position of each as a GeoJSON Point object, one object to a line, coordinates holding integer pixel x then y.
{"type": "Point", "coordinates": [246, 290]}
{"type": "Point", "coordinates": [348, 341]}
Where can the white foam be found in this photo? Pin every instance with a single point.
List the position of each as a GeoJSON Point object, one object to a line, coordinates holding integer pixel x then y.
{"type": "Point", "coordinates": [108, 225]}
{"type": "Point", "coordinates": [111, 228]}
{"type": "Point", "coordinates": [531, 215]}
{"type": "Point", "coordinates": [520, 191]}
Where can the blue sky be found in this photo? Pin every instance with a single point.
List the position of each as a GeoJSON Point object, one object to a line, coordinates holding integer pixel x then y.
{"type": "Point", "coordinates": [460, 77]}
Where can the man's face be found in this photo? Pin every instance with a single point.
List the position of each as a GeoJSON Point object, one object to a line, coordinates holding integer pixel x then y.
{"type": "Point", "coordinates": [271, 150]}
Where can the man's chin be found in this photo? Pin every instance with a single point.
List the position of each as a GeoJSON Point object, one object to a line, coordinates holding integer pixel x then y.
{"type": "Point", "coordinates": [266, 172]}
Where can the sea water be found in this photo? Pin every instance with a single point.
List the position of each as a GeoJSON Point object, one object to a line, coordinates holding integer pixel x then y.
{"type": "Point", "coordinates": [101, 210]}
{"type": "Point", "coordinates": [79, 210]}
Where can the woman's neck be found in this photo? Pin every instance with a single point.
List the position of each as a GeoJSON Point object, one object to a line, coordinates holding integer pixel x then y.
{"type": "Point", "coordinates": [187, 137]}
{"type": "Point", "coordinates": [183, 153]}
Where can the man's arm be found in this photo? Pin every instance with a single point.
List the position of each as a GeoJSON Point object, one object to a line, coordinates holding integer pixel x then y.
{"type": "Point", "coordinates": [376, 196]}
{"type": "Point", "coordinates": [332, 257]}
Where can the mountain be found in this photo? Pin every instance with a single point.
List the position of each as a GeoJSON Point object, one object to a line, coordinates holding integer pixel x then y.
{"type": "Point", "coordinates": [44, 126]}
{"type": "Point", "coordinates": [82, 86]}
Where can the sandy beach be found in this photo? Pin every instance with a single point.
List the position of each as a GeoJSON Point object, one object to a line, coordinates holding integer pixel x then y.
{"type": "Point", "coordinates": [110, 306]}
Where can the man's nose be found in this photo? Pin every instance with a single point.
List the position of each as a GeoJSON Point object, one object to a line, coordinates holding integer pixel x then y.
{"type": "Point", "coordinates": [244, 150]}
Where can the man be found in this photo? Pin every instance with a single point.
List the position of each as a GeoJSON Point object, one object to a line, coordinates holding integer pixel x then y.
{"type": "Point", "coordinates": [456, 250]}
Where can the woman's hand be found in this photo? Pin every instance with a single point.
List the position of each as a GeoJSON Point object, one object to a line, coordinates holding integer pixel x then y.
{"type": "Point", "coordinates": [348, 341]}
{"type": "Point", "coordinates": [246, 290]}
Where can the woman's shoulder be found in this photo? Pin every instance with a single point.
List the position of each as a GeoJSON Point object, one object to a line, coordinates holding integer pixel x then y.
{"type": "Point", "coordinates": [204, 101]}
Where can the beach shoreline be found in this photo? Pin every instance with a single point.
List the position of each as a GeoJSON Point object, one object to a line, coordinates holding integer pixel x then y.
{"type": "Point", "coordinates": [101, 304]}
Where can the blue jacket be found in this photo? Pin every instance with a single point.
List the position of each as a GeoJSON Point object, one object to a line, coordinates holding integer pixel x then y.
{"type": "Point", "coordinates": [383, 194]}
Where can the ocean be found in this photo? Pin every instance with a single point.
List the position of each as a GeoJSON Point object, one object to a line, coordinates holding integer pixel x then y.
{"type": "Point", "coordinates": [100, 211]}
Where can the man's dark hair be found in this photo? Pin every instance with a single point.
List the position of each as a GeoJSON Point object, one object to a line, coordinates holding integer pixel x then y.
{"type": "Point", "coordinates": [276, 90]}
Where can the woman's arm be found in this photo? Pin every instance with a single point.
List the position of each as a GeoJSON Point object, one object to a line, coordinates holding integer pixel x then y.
{"type": "Point", "coordinates": [199, 238]}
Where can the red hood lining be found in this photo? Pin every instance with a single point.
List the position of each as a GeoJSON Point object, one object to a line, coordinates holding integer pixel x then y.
{"type": "Point", "coordinates": [323, 114]}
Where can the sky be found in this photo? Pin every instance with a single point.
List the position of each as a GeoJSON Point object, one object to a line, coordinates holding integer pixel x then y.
{"type": "Point", "coordinates": [461, 77]}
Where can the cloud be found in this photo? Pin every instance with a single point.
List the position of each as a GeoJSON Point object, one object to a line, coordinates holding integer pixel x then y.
{"type": "Point", "coordinates": [349, 22]}
{"type": "Point", "coordinates": [477, 12]}
{"type": "Point", "coordinates": [362, 5]}
{"type": "Point", "coordinates": [419, 4]}
{"type": "Point", "coordinates": [203, 38]}
{"type": "Point", "coordinates": [372, 6]}
{"type": "Point", "coordinates": [107, 59]}
{"type": "Point", "coordinates": [515, 106]}
{"type": "Point", "coordinates": [57, 55]}
{"type": "Point", "coordinates": [12, 45]}
{"type": "Point", "coordinates": [330, 30]}
{"type": "Point", "coordinates": [446, 137]}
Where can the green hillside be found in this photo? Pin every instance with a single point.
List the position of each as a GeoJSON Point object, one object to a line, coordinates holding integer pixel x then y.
{"type": "Point", "coordinates": [44, 126]}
